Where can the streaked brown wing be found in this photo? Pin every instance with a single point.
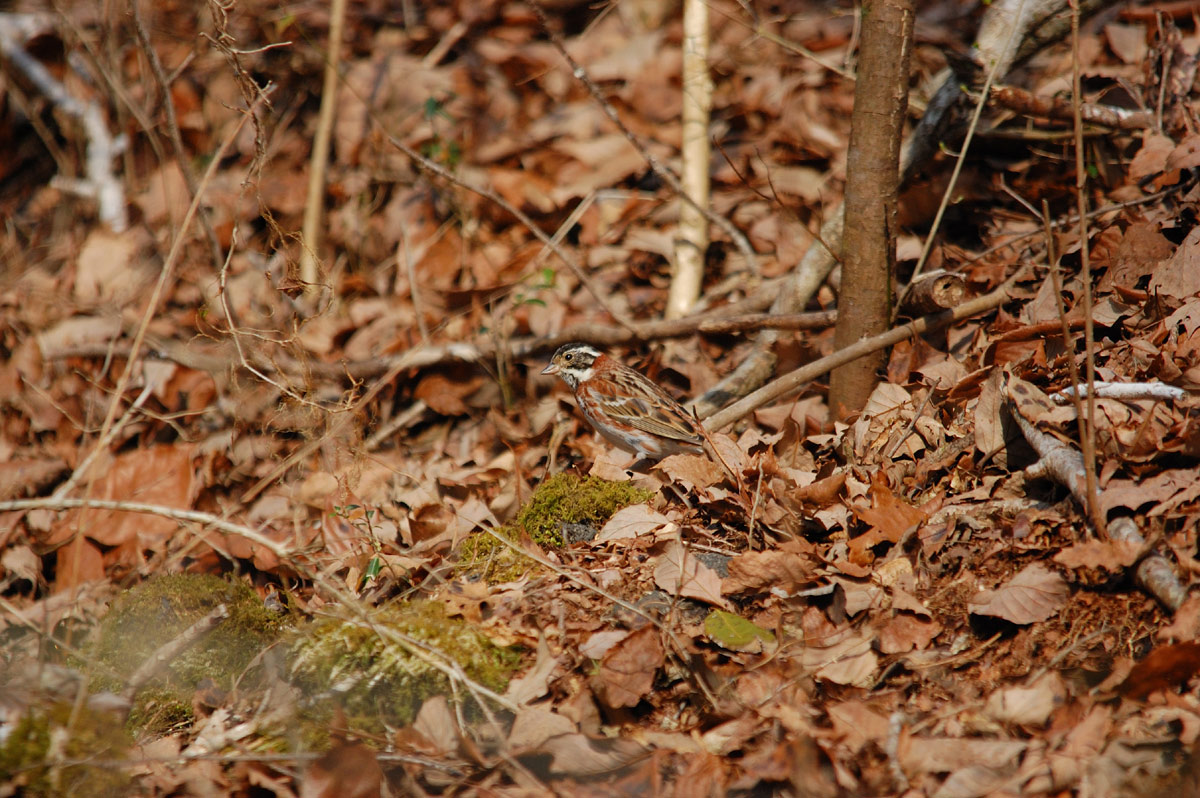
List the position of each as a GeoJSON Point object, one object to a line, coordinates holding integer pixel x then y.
{"type": "Point", "coordinates": [644, 406]}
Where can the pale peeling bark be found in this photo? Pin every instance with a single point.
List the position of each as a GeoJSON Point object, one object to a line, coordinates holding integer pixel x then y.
{"type": "Point", "coordinates": [692, 240]}
{"type": "Point", "coordinates": [315, 205]}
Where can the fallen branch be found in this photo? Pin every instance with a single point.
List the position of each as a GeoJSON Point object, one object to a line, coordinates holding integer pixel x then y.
{"type": "Point", "coordinates": [1027, 103]}
{"type": "Point", "coordinates": [807, 373]}
{"type": "Point", "coordinates": [175, 513]}
{"type": "Point", "coordinates": [934, 292]}
{"type": "Point", "coordinates": [172, 649]}
{"type": "Point", "coordinates": [102, 147]}
{"type": "Point", "coordinates": [740, 316]}
{"type": "Point", "coordinates": [1064, 464]}
{"type": "Point", "coordinates": [1125, 391]}
{"type": "Point", "coordinates": [1000, 49]}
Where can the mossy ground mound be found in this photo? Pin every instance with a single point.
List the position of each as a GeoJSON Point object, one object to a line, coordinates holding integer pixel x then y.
{"type": "Point", "coordinates": [561, 499]}
{"type": "Point", "coordinates": [368, 666]}
{"type": "Point", "coordinates": [158, 611]}
{"type": "Point", "coordinates": [57, 751]}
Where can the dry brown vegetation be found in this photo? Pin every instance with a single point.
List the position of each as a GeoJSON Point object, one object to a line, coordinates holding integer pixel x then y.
{"type": "Point", "coordinates": [891, 606]}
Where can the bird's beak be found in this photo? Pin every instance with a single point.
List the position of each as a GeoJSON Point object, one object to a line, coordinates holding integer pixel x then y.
{"type": "Point", "coordinates": [551, 369]}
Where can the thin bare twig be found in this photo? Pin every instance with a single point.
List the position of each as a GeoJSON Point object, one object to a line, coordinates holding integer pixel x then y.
{"type": "Point", "coordinates": [665, 174]}
{"type": "Point", "coordinates": [102, 444]}
{"type": "Point", "coordinates": [1081, 418]}
{"type": "Point", "coordinates": [172, 649]}
{"type": "Point", "coordinates": [960, 161]}
{"type": "Point", "coordinates": [102, 147]}
{"type": "Point", "coordinates": [807, 373]}
{"type": "Point", "coordinates": [593, 288]}
{"type": "Point", "coordinates": [168, 104]}
{"type": "Point", "coordinates": [1088, 429]}
{"type": "Point", "coordinates": [176, 513]}
{"type": "Point", "coordinates": [315, 202]}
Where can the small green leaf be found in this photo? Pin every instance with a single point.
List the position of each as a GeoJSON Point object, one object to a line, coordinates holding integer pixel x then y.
{"type": "Point", "coordinates": [374, 567]}
{"type": "Point", "coordinates": [736, 633]}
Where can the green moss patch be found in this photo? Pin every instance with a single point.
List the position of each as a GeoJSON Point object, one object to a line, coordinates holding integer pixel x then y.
{"type": "Point", "coordinates": [54, 752]}
{"type": "Point", "coordinates": [158, 611]}
{"type": "Point", "coordinates": [561, 499]}
{"type": "Point", "coordinates": [378, 678]}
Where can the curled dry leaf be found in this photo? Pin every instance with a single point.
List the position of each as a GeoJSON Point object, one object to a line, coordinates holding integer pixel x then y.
{"type": "Point", "coordinates": [856, 724]}
{"type": "Point", "coordinates": [445, 395]}
{"type": "Point", "coordinates": [436, 725]}
{"type": "Point", "coordinates": [847, 660]}
{"type": "Point", "coordinates": [943, 755]}
{"type": "Point", "coordinates": [774, 569]}
{"type": "Point", "coordinates": [533, 726]}
{"type": "Point", "coordinates": [1035, 594]}
{"type": "Point", "coordinates": [349, 770]}
{"type": "Point", "coordinates": [1028, 706]}
{"type": "Point", "coordinates": [535, 683]}
{"type": "Point", "coordinates": [975, 781]}
{"type": "Point", "coordinates": [888, 516]}
{"type": "Point", "coordinates": [679, 573]}
{"type": "Point", "coordinates": [20, 562]}
{"type": "Point", "coordinates": [822, 492]}
{"type": "Point", "coordinates": [26, 477]}
{"type": "Point", "coordinates": [904, 632]}
{"type": "Point", "coordinates": [691, 470]}
{"type": "Point", "coordinates": [632, 521]}
{"type": "Point", "coordinates": [628, 669]}
{"type": "Point", "coordinates": [1113, 556]}
{"type": "Point", "coordinates": [1179, 275]}
{"type": "Point", "coordinates": [69, 334]}
{"type": "Point", "coordinates": [580, 755]}
{"type": "Point", "coordinates": [1163, 668]}
{"type": "Point", "coordinates": [599, 643]}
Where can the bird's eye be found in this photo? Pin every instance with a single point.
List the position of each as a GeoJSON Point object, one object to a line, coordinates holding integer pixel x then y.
{"type": "Point", "coordinates": [568, 356]}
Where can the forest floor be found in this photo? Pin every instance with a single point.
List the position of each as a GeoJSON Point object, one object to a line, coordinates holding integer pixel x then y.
{"type": "Point", "coordinates": [358, 545]}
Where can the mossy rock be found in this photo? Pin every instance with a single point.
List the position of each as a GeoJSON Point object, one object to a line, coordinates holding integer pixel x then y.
{"type": "Point", "coordinates": [379, 680]}
{"type": "Point", "coordinates": [57, 752]}
{"type": "Point", "coordinates": [561, 499]}
{"type": "Point", "coordinates": [143, 619]}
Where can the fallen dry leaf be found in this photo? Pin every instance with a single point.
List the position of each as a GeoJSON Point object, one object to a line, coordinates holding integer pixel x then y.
{"type": "Point", "coordinates": [782, 570]}
{"type": "Point", "coordinates": [680, 574]}
{"type": "Point", "coordinates": [628, 669]}
{"type": "Point", "coordinates": [1110, 555]}
{"type": "Point", "coordinates": [632, 521]}
{"type": "Point", "coordinates": [1033, 595]}
{"type": "Point", "coordinates": [1028, 706]}
{"type": "Point", "coordinates": [348, 770]}
{"type": "Point", "coordinates": [1163, 668]}
{"type": "Point", "coordinates": [583, 756]}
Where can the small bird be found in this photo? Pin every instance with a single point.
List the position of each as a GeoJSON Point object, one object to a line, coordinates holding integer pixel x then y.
{"type": "Point", "coordinates": [624, 406]}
